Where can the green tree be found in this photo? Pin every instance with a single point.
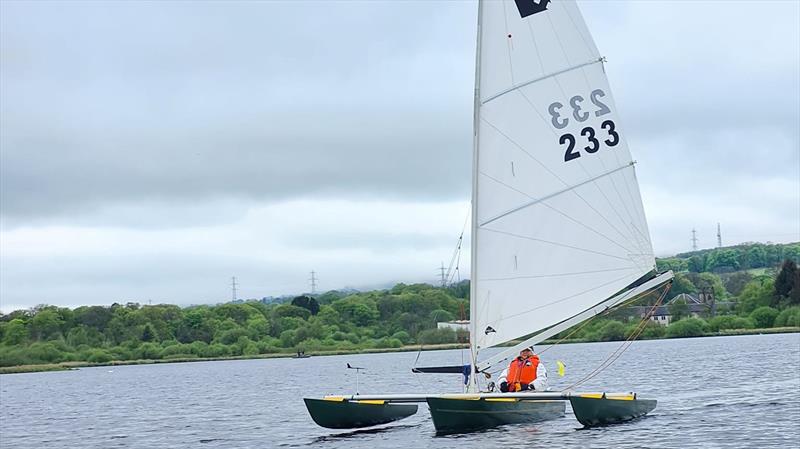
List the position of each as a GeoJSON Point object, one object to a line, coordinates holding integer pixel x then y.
{"type": "Point", "coordinates": [788, 317]}
{"type": "Point", "coordinates": [723, 322]}
{"type": "Point", "coordinates": [697, 264]}
{"type": "Point", "coordinates": [794, 295]}
{"type": "Point", "coordinates": [258, 327]}
{"type": "Point", "coordinates": [672, 263]}
{"type": "Point", "coordinates": [787, 279]}
{"type": "Point", "coordinates": [46, 324]}
{"type": "Point", "coordinates": [328, 315]}
{"type": "Point", "coordinates": [288, 310]}
{"type": "Point", "coordinates": [721, 259]}
{"type": "Point", "coordinates": [361, 311]}
{"type": "Point", "coordinates": [16, 333]}
{"type": "Point", "coordinates": [196, 324]}
{"type": "Point", "coordinates": [148, 333]}
{"type": "Point", "coordinates": [756, 256]}
{"type": "Point", "coordinates": [612, 331]}
{"type": "Point", "coordinates": [690, 327]}
{"type": "Point", "coordinates": [702, 280]}
{"type": "Point", "coordinates": [757, 293]}
{"type": "Point", "coordinates": [93, 316]}
{"type": "Point", "coordinates": [764, 317]}
{"type": "Point", "coordinates": [98, 356]}
{"type": "Point", "coordinates": [306, 302]}
{"type": "Point", "coordinates": [682, 283]}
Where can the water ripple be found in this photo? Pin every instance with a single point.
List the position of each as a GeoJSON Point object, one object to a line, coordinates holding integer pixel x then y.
{"type": "Point", "coordinates": [726, 392]}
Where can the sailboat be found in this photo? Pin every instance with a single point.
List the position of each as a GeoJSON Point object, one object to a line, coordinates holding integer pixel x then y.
{"type": "Point", "coordinates": [559, 233]}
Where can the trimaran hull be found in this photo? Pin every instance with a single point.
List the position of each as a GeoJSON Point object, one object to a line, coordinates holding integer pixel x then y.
{"type": "Point", "coordinates": [453, 413]}
{"type": "Point", "coordinates": [465, 415]}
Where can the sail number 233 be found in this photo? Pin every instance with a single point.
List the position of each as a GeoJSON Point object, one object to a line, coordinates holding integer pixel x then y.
{"type": "Point", "coordinates": [580, 114]}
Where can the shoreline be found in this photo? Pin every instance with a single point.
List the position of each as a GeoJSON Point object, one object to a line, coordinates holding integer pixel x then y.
{"type": "Point", "coordinates": [68, 366]}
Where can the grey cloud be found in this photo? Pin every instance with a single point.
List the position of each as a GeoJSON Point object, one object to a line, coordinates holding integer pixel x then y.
{"type": "Point", "coordinates": [135, 102]}
{"type": "Point", "coordinates": [164, 117]}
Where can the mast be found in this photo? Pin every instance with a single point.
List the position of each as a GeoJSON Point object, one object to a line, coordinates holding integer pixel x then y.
{"type": "Point", "coordinates": [473, 313]}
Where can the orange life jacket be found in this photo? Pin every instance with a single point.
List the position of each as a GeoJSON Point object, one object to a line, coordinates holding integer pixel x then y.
{"type": "Point", "coordinates": [522, 371]}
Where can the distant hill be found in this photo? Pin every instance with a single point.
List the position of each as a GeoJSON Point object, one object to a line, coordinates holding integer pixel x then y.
{"type": "Point", "coordinates": [727, 259]}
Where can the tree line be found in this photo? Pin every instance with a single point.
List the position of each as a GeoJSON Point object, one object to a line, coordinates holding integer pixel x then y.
{"type": "Point", "coordinates": [391, 318]}
{"type": "Point", "coordinates": [405, 314]}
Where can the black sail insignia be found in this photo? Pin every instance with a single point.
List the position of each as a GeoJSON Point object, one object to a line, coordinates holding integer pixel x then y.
{"type": "Point", "coordinates": [530, 7]}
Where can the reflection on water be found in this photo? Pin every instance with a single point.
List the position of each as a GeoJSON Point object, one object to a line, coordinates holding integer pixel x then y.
{"type": "Point", "coordinates": [726, 392]}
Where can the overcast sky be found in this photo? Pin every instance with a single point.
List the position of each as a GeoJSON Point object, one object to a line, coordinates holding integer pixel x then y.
{"type": "Point", "coordinates": [149, 151]}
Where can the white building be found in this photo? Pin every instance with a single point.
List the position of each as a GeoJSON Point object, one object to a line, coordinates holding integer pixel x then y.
{"type": "Point", "coordinates": [458, 325]}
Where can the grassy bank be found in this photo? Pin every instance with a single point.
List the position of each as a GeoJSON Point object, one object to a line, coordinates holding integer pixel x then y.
{"type": "Point", "coordinates": [64, 366]}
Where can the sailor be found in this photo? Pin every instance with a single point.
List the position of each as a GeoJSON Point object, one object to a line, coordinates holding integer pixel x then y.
{"type": "Point", "coordinates": [525, 373]}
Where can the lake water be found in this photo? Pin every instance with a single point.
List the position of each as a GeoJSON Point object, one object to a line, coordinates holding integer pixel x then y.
{"type": "Point", "coordinates": [713, 392]}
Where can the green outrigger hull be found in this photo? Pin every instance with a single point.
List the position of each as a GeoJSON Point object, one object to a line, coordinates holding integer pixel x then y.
{"type": "Point", "coordinates": [465, 415]}
{"type": "Point", "coordinates": [600, 410]}
{"type": "Point", "coordinates": [345, 414]}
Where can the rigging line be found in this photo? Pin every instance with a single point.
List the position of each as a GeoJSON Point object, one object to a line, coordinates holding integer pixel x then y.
{"type": "Point", "coordinates": [554, 209]}
{"type": "Point", "coordinates": [457, 252]}
{"type": "Point", "coordinates": [607, 310]}
{"type": "Point", "coordinates": [625, 345]}
{"type": "Point", "coordinates": [495, 323]}
{"type": "Point", "coordinates": [576, 273]}
{"type": "Point", "coordinates": [554, 194]}
{"type": "Point", "coordinates": [453, 258]}
{"type": "Point", "coordinates": [603, 313]}
{"type": "Point", "coordinates": [586, 250]}
{"type": "Point", "coordinates": [416, 375]}
{"type": "Point", "coordinates": [634, 335]}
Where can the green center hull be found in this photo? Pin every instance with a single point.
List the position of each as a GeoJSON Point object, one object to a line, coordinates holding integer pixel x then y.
{"type": "Point", "coordinates": [600, 411]}
{"type": "Point", "coordinates": [465, 415]}
{"type": "Point", "coordinates": [355, 414]}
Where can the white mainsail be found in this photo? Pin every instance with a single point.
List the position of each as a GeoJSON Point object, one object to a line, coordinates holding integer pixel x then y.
{"type": "Point", "coordinates": [558, 222]}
